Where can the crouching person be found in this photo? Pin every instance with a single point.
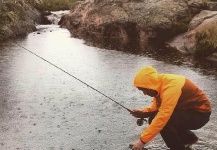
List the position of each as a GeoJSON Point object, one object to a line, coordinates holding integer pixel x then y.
{"type": "Point", "coordinates": [178, 106]}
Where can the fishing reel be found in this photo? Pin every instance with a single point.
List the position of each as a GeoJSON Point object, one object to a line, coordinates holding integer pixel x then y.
{"type": "Point", "coordinates": [140, 121]}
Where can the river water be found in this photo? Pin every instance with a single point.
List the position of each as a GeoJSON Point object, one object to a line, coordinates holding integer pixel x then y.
{"type": "Point", "coordinates": [43, 108]}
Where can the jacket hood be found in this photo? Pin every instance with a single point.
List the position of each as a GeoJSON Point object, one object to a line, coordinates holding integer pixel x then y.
{"type": "Point", "coordinates": [147, 77]}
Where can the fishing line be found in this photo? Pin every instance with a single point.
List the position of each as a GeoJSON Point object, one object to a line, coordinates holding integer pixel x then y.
{"type": "Point", "coordinates": [72, 76]}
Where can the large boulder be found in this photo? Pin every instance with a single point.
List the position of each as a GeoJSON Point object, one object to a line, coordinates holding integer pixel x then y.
{"type": "Point", "coordinates": [202, 35]}
{"type": "Point", "coordinates": [145, 20]}
{"type": "Point", "coordinates": [201, 38]}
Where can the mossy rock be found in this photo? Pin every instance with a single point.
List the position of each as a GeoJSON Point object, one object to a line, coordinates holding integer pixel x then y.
{"type": "Point", "coordinates": [206, 41]}
{"type": "Point", "coordinates": [9, 17]}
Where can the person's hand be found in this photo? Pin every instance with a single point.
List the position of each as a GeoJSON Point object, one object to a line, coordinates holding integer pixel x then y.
{"type": "Point", "coordinates": [138, 145]}
{"type": "Point", "coordinates": [140, 114]}
{"type": "Point", "coordinates": [136, 113]}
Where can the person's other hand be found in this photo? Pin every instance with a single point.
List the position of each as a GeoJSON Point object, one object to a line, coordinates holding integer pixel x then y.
{"type": "Point", "coordinates": [138, 145]}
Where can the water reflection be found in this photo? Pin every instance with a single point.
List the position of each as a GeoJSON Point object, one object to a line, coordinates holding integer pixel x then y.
{"type": "Point", "coordinates": [156, 52]}
{"type": "Point", "coordinates": [124, 45]}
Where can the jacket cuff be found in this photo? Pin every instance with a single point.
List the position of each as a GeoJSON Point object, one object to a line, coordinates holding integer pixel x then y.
{"type": "Point", "coordinates": [142, 141]}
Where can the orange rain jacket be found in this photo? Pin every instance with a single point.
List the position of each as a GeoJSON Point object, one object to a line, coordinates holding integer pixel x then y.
{"type": "Point", "coordinates": [174, 91]}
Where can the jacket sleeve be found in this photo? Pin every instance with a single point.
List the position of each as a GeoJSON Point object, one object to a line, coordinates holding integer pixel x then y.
{"type": "Point", "coordinates": [169, 100]}
{"type": "Point", "coordinates": [150, 108]}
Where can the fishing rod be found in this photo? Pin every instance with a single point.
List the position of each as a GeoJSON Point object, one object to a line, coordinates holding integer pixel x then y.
{"type": "Point", "coordinates": [139, 121]}
{"type": "Point", "coordinates": [75, 78]}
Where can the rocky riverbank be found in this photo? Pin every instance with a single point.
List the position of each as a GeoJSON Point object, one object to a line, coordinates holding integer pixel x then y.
{"type": "Point", "coordinates": [187, 26]}
{"type": "Point", "coordinates": [17, 17]}
{"type": "Point", "coordinates": [21, 16]}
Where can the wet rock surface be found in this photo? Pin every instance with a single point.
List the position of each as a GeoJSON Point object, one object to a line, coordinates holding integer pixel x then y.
{"type": "Point", "coordinates": [145, 19]}
{"type": "Point", "coordinates": [148, 21]}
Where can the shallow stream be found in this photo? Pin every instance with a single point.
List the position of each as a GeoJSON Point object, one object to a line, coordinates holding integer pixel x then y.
{"type": "Point", "coordinates": [43, 108]}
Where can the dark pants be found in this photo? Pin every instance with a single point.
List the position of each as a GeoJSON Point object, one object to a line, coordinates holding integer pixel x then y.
{"type": "Point", "coordinates": [177, 130]}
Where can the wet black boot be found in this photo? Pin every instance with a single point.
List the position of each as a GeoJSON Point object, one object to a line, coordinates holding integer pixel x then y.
{"type": "Point", "coordinates": [190, 141]}
{"type": "Point", "coordinates": [188, 148]}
